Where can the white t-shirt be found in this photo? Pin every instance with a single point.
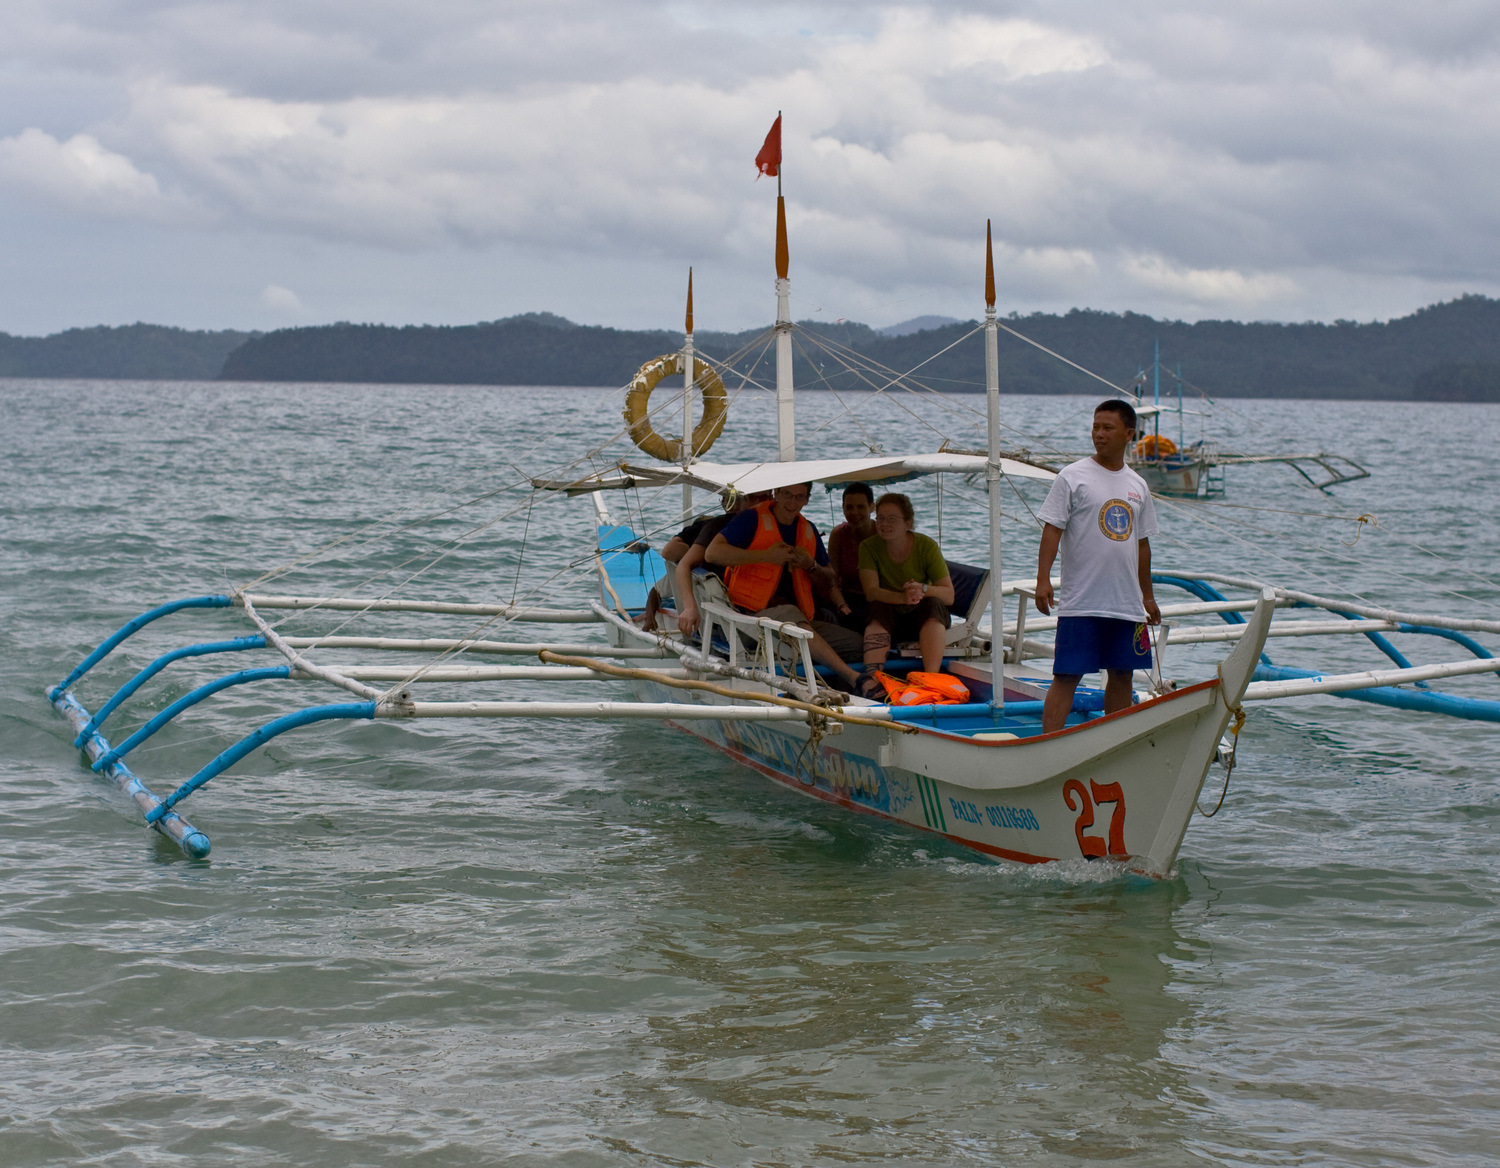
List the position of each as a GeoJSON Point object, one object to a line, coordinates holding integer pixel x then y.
{"type": "Point", "coordinates": [1102, 513]}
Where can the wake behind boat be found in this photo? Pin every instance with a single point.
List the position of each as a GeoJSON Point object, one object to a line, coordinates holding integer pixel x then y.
{"type": "Point", "coordinates": [982, 773]}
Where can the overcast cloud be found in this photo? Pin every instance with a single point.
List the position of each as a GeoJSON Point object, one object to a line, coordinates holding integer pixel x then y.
{"type": "Point", "coordinates": [255, 164]}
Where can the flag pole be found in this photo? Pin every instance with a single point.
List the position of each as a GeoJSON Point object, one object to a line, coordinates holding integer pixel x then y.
{"type": "Point", "coordinates": [786, 428]}
{"type": "Point", "coordinates": [992, 475]}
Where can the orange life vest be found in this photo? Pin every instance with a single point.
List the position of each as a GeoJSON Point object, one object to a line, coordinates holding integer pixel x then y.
{"type": "Point", "coordinates": [1155, 446]}
{"type": "Point", "coordinates": [923, 689]}
{"type": "Point", "coordinates": [751, 586]}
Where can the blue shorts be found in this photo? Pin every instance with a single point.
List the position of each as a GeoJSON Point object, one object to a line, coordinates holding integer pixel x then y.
{"type": "Point", "coordinates": [1087, 644]}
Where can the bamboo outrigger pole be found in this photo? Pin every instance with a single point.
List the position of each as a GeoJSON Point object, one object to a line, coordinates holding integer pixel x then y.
{"type": "Point", "coordinates": [992, 465]}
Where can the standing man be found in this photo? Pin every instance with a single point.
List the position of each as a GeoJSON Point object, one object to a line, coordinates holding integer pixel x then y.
{"type": "Point", "coordinates": [1100, 512]}
{"type": "Point", "coordinates": [773, 555]}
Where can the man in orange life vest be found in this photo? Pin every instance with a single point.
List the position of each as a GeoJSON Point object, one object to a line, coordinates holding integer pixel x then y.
{"type": "Point", "coordinates": [772, 556]}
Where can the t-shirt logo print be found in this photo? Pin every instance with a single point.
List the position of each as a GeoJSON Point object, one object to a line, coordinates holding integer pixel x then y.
{"type": "Point", "coordinates": [1116, 520]}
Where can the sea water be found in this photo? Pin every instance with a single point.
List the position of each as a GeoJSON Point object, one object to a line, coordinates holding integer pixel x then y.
{"type": "Point", "coordinates": [604, 944]}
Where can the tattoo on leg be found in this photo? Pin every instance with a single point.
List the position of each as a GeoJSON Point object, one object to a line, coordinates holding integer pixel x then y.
{"type": "Point", "coordinates": [879, 640]}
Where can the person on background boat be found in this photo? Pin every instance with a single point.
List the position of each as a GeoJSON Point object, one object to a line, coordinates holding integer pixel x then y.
{"type": "Point", "coordinates": [843, 554]}
{"type": "Point", "coordinates": [1100, 512]}
{"type": "Point", "coordinates": [907, 584]}
{"type": "Point", "coordinates": [693, 557]}
{"type": "Point", "coordinates": [773, 557]}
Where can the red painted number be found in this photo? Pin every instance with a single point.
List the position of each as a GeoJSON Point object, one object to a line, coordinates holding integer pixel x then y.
{"type": "Point", "coordinates": [1091, 846]}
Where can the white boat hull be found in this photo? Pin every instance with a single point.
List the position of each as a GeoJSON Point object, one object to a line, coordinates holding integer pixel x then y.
{"type": "Point", "coordinates": [1172, 476]}
{"type": "Point", "coordinates": [1121, 787]}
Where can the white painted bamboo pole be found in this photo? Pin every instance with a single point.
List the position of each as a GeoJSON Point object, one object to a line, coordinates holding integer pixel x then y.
{"type": "Point", "coordinates": [376, 604]}
{"type": "Point", "coordinates": [1366, 610]}
{"type": "Point", "coordinates": [457, 673]}
{"type": "Point", "coordinates": [667, 711]}
{"type": "Point", "coordinates": [1038, 624]}
{"type": "Point", "coordinates": [1206, 634]}
{"type": "Point", "coordinates": [1261, 691]}
{"type": "Point", "coordinates": [446, 644]}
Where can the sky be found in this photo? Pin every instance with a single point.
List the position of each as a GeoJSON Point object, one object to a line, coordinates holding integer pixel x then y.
{"type": "Point", "coordinates": [269, 163]}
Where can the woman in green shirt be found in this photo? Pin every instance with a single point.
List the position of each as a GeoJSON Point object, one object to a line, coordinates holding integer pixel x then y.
{"type": "Point", "coordinates": [907, 584]}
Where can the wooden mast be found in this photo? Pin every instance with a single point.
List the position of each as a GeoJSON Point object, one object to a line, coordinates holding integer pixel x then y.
{"type": "Point", "coordinates": [992, 471]}
{"type": "Point", "coordinates": [786, 429]}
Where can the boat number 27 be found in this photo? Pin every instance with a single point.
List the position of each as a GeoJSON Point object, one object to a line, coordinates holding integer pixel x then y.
{"type": "Point", "coordinates": [1092, 846]}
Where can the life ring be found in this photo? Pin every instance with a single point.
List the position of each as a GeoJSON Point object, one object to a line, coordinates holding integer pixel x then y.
{"type": "Point", "coordinates": [1155, 446]}
{"type": "Point", "coordinates": [638, 398]}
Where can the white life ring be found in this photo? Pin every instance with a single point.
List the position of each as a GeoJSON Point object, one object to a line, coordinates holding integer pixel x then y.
{"type": "Point", "coordinates": [637, 403]}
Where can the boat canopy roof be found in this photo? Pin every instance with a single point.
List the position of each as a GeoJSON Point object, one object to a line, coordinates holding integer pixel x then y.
{"type": "Point", "coordinates": [750, 477]}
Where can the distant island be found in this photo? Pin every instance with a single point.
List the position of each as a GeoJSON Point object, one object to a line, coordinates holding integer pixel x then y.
{"type": "Point", "coordinates": [1445, 352]}
{"type": "Point", "coordinates": [146, 352]}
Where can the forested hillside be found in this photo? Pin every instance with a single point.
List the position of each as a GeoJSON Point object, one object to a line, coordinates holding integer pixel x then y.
{"type": "Point", "coordinates": [535, 349]}
{"type": "Point", "coordinates": [1445, 351]}
{"type": "Point", "coordinates": [150, 352]}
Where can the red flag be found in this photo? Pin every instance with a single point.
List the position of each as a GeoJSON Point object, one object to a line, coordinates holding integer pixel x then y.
{"type": "Point", "coordinates": [768, 161]}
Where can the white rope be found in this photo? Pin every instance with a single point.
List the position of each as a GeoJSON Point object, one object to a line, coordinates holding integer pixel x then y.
{"type": "Point", "coordinates": [331, 676]}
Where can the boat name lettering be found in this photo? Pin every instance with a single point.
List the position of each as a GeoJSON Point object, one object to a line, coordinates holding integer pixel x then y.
{"type": "Point", "coordinates": [850, 775]}
{"type": "Point", "coordinates": [963, 809]}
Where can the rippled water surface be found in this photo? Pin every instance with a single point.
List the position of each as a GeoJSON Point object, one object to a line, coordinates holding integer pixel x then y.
{"type": "Point", "coordinates": [596, 944]}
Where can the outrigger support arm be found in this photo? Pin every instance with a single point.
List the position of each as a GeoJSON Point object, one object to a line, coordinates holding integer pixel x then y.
{"type": "Point", "coordinates": [250, 742]}
{"type": "Point", "coordinates": [129, 629]}
{"type": "Point", "coordinates": [187, 701]}
{"type": "Point", "coordinates": [203, 649]}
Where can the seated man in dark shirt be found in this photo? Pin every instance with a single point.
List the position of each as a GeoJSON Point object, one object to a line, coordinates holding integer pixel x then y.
{"type": "Point", "coordinates": [693, 556]}
{"type": "Point", "coordinates": [772, 556]}
{"type": "Point", "coordinates": [677, 547]}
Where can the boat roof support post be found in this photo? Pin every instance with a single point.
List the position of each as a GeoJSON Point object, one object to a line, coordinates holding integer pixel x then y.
{"type": "Point", "coordinates": [992, 462]}
{"type": "Point", "coordinates": [688, 378]}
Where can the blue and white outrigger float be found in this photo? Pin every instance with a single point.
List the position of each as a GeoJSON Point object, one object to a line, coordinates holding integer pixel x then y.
{"type": "Point", "coordinates": [981, 774]}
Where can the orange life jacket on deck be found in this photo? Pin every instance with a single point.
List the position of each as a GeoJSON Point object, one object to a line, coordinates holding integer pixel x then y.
{"type": "Point", "coordinates": [923, 689]}
{"type": "Point", "coordinates": [751, 586]}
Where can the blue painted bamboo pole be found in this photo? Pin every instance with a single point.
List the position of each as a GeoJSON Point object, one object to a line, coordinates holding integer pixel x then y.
{"type": "Point", "coordinates": [187, 701]}
{"type": "Point", "coordinates": [1083, 703]}
{"type": "Point", "coordinates": [203, 649]}
{"type": "Point", "coordinates": [1383, 645]}
{"type": "Point", "coordinates": [1468, 643]}
{"type": "Point", "coordinates": [107, 646]}
{"type": "Point", "coordinates": [1473, 709]}
{"type": "Point", "coordinates": [194, 843]}
{"type": "Point", "coordinates": [249, 743]}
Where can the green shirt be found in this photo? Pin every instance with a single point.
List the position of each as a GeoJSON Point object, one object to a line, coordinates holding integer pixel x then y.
{"type": "Point", "coordinates": [925, 564]}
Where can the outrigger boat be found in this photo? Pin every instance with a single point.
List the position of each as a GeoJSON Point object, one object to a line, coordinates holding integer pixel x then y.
{"type": "Point", "coordinates": [1120, 787]}
{"type": "Point", "coordinates": [1195, 469]}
